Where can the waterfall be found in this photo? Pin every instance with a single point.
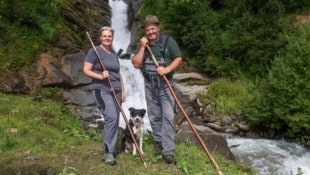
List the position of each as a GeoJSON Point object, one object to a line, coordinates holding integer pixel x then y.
{"type": "Point", "coordinates": [265, 156]}
{"type": "Point", "coordinates": [119, 24]}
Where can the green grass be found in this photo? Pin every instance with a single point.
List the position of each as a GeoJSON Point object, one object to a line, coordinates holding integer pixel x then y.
{"type": "Point", "coordinates": [228, 96]}
{"type": "Point", "coordinates": [44, 138]}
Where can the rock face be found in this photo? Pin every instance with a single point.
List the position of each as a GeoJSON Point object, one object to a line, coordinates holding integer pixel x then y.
{"type": "Point", "coordinates": [80, 16]}
{"type": "Point", "coordinates": [62, 67]}
{"type": "Point", "coordinates": [51, 74]}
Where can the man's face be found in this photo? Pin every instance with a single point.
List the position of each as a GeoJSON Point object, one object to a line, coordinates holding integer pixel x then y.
{"type": "Point", "coordinates": [152, 32]}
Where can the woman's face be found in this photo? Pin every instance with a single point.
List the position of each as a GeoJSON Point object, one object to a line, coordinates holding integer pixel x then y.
{"type": "Point", "coordinates": [152, 32]}
{"type": "Point", "coordinates": [106, 38]}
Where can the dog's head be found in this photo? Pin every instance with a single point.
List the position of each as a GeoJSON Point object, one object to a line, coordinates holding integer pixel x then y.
{"type": "Point", "coordinates": [136, 115]}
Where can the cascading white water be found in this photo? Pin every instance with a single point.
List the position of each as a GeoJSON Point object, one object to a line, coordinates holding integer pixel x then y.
{"type": "Point", "coordinates": [271, 156]}
{"type": "Point", "coordinates": [119, 24]}
{"type": "Point", "coordinates": [265, 156]}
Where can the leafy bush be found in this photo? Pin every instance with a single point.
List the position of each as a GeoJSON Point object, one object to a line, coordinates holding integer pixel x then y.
{"type": "Point", "coordinates": [240, 37]}
{"type": "Point", "coordinates": [283, 103]}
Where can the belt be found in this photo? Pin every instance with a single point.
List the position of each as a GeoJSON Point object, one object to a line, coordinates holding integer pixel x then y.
{"type": "Point", "coordinates": [155, 80]}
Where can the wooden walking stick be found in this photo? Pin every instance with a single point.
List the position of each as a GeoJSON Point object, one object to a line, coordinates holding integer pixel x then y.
{"type": "Point", "coordinates": [186, 116]}
{"type": "Point", "coordinates": [118, 104]}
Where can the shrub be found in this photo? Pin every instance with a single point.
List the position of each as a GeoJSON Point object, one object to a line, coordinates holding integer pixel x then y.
{"type": "Point", "coordinates": [283, 103]}
{"type": "Point", "coordinates": [237, 37]}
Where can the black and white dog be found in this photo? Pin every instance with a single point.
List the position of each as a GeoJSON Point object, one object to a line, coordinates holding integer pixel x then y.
{"type": "Point", "coordinates": [136, 124]}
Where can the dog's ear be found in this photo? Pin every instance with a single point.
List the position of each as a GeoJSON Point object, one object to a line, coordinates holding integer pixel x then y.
{"type": "Point", "coordinates": [130, 109]}
{"type": "Point", "coordinates": [143, 111]}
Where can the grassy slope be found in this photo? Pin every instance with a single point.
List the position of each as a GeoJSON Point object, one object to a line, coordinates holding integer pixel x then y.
{"type": "Point", "coordinates": [43, 138]}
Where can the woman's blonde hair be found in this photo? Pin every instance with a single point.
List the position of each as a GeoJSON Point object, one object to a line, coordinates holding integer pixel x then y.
{"type": "Point", "coordinates": [104, 28]}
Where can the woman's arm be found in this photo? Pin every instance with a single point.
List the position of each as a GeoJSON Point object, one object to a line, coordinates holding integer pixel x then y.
{"type": "Point", "coordinates": [87, 69]}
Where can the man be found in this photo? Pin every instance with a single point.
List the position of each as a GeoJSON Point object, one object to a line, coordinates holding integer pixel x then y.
{"type": "Point", "coordinates": [160, 103]}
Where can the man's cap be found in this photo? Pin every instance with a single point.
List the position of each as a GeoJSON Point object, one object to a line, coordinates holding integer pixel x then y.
{"type": "Point", "coordinates": [150, 19]}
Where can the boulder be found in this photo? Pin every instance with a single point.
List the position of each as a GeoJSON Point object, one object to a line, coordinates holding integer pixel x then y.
{"type": "Point", "coordinates": [51, 74]}
{"type": "Point", "coordinates": [212, 140]}
{"type": "Point", "coordinates": [72, 66]}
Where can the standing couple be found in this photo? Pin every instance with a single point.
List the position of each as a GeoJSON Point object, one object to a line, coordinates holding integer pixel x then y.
{"type": "Point", "coordinates": [160, 103]}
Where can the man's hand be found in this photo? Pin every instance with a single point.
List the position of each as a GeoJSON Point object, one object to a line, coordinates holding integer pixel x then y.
{"type": "Point", "coordinates": [162, 70]}
{"type": "Point", "coordinates": [143, 42]}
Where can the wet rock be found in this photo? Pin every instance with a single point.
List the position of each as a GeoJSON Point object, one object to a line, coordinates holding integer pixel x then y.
{"type": "Point", "coordinates": [213, 142]}
{"type": "Point", "coordinates": [215, 126]}
{"type": "Point", "coordinates": [231, 129]}
{"type": "Point", "coordinates": [243, 126]}
{"type": "Point", "coordinates": [200, 128]}
{"type": "Point", "coordinates": [226, 120]}
{"type": "Point", "coordinates": [207, 109]}
{"type": "Point", "coordinates": [210, 119]}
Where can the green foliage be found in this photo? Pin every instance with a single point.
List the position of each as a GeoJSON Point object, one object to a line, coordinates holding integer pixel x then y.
{"type": "Point", "coordinates": [27, 27]}
{"type": "Point", "coordinates": [282, 102]}
{"type": "Point", "coordinates": [221, 38]}
{"type": "Point", "coordinates": [8, 142]}
{"type": "Point", "coordinates": [227, 96]}
{"type": "Point", "coordinates": [21, 46]}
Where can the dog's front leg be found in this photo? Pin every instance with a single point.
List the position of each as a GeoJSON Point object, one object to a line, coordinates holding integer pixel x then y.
{"type": "Point", "coordinates": [134, 149]}
{"type": "Point", "coordinates": [140, 145]}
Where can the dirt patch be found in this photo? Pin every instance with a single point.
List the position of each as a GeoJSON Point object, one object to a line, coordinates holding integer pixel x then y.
{"type": "Point", "coordinates": [28, 167]}
{"type": "Point", "coordinates": [303, 18]}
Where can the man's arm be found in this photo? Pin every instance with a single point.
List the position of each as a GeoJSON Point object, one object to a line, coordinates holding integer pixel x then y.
{"type": "Point", "coordinates": [137, 59]}
{"type": "Point", "coordinates": [171, 67]}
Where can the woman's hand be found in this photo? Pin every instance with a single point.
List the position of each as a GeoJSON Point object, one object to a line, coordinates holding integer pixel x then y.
{"type": "Point", "coordinates": [104, 75]}
{"type": "Point", "coordinates": [123, 96]}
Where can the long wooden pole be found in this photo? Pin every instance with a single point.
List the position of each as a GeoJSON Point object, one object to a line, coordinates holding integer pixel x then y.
{"type": "Point", "coordinates": [118, 104]}
{"type": "Point", "coordinates": [186, 116]}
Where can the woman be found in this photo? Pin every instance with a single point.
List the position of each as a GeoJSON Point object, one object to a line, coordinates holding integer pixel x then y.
{"type": "Point", "coordinates": [102, 90]}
